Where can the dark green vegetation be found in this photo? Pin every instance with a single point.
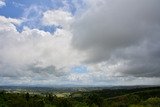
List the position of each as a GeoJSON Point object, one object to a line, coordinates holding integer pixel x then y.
{"type": "Point", "coordinates": [132, 97]}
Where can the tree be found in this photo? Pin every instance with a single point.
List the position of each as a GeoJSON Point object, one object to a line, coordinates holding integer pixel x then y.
{"type": "Point", "coordinates": [27, 96]}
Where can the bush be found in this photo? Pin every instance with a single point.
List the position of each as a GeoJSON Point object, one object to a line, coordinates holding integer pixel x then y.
{"type": "Point", "coordinates": [154, 102]}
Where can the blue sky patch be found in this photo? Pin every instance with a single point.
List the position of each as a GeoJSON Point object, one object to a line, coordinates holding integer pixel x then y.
{"type": "Point", "coordinates": [31, 11]}
{"type": "Point", "coordinates": [79, 69]}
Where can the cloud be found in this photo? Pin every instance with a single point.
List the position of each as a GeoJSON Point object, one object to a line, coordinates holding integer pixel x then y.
{"type": "Point", "coordinates": [117, 43]}
{"type": "Point", "coordinates": [57, 18]}
{"type": "Point", "coordinates": [35, 54]}
{"type": "Point", "coordinates": [123, 34]}
{"type": "Point", "coordinates": [10, 20]}
{"type": "Point", "coordinates": [46, 70]}
{"type": "Point", "coordinates": [2, 3]}
{"type": "Point", "coordinates": [32, 16]}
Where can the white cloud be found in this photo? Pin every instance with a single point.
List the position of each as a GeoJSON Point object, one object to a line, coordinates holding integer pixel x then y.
{"type": "Point", "coordinates": [46, 51]}
{"type": "Point", "coordinates": [2, 3]}
{"type": "Point", "coordinates": [57, 18]}
{"type": "Point", "coordinates": [10, 20]}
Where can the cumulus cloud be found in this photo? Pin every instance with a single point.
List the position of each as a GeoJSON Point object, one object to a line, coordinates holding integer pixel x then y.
{"type": "Point", "coordinates": [122, 33]}
{"type": "Point", "coordinates": [35, 53]}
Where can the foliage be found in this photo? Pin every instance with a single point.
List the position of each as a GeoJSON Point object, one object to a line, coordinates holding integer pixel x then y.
{"type": "Point", "coordinates": [145, 97]}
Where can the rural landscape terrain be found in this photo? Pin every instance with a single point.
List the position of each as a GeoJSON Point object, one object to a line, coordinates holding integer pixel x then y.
{"type": "Point", "coordinates": [124, 96]}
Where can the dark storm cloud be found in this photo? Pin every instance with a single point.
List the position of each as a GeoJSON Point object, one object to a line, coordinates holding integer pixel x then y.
{"type": "Point", "coordinates": [125, 30]}
{"type": "Point", "coordinates": [143, 60]}
{"type": "Point", "coordinates": [47, 70]}
{"type": "Point", "coordinates": [7, 70]}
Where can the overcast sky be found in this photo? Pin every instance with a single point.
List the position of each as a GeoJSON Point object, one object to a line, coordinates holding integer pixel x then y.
{"type": "Point", "coordinates": [79, 42]}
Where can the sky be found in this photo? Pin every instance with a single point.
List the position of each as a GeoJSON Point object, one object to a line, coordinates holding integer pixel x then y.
{"type": "Point", "coordinates": [79, 42]}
